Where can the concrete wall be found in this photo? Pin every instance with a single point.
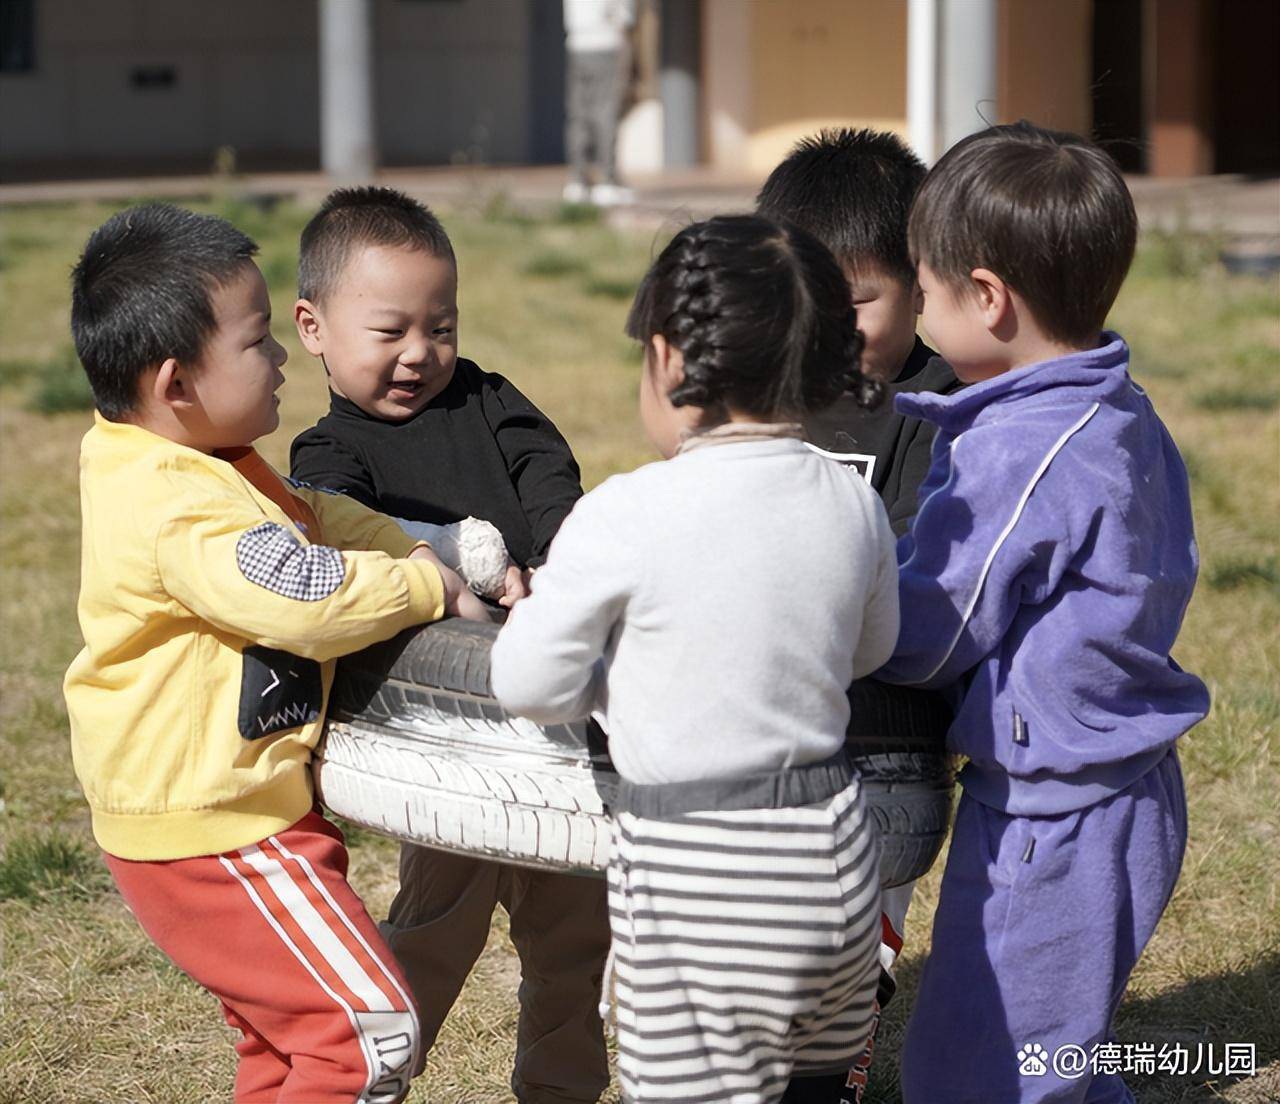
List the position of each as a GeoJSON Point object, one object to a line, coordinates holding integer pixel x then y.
{"type": "Point", "coordinates": [825, 63]}
{"type": "Point", "coordinates": [452, 80]}
{"type": "Point", "coordinates": [778, 70]}
{"type": "Point", "coordinates": [228, 60]}
{"type": "Point", "coordinates": [1045, 63]}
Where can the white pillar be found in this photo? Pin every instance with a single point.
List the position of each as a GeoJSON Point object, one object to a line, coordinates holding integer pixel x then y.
{"type": "Point", "coordinates": [922, 78]}
{"type": "Point", "coordinates": [348, 138]}
{"type": "Point", "coordinates": [678, 78]}
{"type": "Point", "coordinates": [969, 85]}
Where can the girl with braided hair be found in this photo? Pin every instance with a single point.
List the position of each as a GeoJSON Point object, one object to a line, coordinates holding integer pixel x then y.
{"type": "Point", "coordinates": [711, 610]}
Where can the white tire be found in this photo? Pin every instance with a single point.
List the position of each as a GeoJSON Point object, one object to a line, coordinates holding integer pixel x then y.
{"type": "Point", "coordinates": [417, 748]}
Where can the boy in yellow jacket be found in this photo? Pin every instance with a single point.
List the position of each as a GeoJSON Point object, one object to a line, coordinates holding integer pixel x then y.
{"type": "Point", "coordinates": [214, 600]}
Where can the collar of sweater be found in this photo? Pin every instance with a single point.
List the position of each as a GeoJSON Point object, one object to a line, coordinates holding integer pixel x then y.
{"type": "Point", "coordinates": [736, 432]}
{"type": "Point", "coordinates": [1091, 375]}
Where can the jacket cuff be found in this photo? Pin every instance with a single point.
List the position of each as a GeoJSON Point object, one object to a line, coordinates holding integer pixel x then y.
{"type": "Point", "coordinates": [426, 589]}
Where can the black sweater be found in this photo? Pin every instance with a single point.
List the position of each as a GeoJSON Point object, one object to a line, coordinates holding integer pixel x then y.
{"type": "Point", "coordinates": [478, 449]}
{"type": "Point", "coordinates": [896, 448]}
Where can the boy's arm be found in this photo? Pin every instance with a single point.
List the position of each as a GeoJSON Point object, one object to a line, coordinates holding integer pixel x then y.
{"type": "Point", "coordinates": [539, 461]}
{"type": "Point", "coordinates": [318, 460]}
{"type": "Point", "coordinates": [547, 660]}
{"type": "Point", "coordinates": [982, 544]}
{"type": "Point", "coordinates": [219, 557]}
{"type": "Point", "coordinates": [350, 525]}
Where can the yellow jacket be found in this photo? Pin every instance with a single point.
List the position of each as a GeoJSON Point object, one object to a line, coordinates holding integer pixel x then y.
{"type": "Point", "coordinates": [211, 627]}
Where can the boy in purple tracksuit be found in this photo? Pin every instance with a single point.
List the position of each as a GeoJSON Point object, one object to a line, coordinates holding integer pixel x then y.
{"type": "Point", "coordinates": [1045, 578]}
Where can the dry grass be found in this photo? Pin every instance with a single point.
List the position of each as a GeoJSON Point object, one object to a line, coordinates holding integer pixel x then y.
{"type": "Point", "coordinates": [92, 1012]}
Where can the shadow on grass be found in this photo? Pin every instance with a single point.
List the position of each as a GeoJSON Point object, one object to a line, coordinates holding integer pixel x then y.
{"type": "Point", "coordinates": [1234, 1006]}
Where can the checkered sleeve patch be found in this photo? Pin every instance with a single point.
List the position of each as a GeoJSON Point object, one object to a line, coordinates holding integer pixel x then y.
{"type": "Point", "coordinates": [273, 558]}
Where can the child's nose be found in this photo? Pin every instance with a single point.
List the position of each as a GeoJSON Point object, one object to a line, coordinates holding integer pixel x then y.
{"type": "Point", "coordinates": [281, 353]}
{"type": "Point", "coordinates": [416, 352]}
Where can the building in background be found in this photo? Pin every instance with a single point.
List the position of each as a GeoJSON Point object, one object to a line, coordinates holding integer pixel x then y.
{"type": "Point", "coordinates": [1176, 87]}
{"type": "Point", "coordinates": [119, 86]}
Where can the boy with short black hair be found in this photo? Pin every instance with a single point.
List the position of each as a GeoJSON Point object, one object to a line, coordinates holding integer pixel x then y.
{"type": "Point", "coordinates": [1045, 577]}
{"type": "Point", "coordinates": [852, 189]}
{"type": "Point", "coordinates": [423, 435]}
{"type": "Point", "coordinates": [212, 615]}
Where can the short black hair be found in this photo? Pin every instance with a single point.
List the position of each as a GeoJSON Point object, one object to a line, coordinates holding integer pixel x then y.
{"type": "Point", "coordinates": [852, 190]}
{"type": "Point", "coordinates": [761, 312]}
{"type": "Point", "coordinates": [141, 293]}
{"type": "Point", "coordinates": [351, 218]}
{"type": "Point", "coordinates": [1046, 211]}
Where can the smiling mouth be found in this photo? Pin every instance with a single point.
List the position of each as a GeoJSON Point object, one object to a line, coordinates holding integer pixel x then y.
{"type": "Point", "coordinates": [405, 387]}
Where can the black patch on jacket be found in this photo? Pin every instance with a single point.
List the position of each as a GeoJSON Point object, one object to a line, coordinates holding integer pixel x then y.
{"type": "Point", "coordinates": [278, 691]}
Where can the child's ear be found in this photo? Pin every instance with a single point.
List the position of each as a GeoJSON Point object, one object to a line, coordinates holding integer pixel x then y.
{"type": "Point", "coordinates": [993, 296]}
{"type": "Point", "coordinates": [171, 387]}
{"type": "Point", "coordinates": [917, 297]}
{"type": "Point", "coordinates": [307, 318]}
{"type": "Point", "coordinates": [667, 363]}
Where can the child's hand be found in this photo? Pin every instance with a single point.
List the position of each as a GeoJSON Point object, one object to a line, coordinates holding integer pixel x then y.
{"type": "Point", "coordinates": [515, 585]}
{"type": "Point", "coordinates": [458, 599]}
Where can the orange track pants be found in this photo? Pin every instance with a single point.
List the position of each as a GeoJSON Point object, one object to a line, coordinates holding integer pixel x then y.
{"type": "Point", "coordinates": [274, 931]}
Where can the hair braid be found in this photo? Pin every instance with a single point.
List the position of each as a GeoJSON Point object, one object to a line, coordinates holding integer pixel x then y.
{"type": "Point", "coordinates": [761, 315]}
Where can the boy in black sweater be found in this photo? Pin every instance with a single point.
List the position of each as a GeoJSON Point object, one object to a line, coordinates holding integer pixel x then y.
{"type": "Point", "coordinates": [852, 190]}
{"type": "Point", "coordinates": [415, 432]}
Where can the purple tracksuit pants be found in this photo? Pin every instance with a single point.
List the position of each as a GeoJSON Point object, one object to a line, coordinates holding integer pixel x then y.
{"type": "Point", "coordinates": [1039, 924]}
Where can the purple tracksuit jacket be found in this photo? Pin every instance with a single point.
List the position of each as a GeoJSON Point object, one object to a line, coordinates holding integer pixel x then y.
{"type": "Point", "coordinates": [1047, 573]}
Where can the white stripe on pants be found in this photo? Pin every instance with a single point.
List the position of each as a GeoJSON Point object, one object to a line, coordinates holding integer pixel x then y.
{"type": "Point", "coordinates": [745, 946]}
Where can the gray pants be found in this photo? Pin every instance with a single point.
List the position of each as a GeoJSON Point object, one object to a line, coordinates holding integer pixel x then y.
{"type": "Point", "coordinates": [745, 939]}
{"type": "Point", "coordinates": [438, 925]}
{"type": "Point", "coordinates": [597, 83]}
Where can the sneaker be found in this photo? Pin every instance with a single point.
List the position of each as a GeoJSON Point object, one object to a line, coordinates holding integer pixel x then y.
{"type": "Point", "coordinates": [612, 195]}
{"type": "Point", "coordinates": [576, 192]}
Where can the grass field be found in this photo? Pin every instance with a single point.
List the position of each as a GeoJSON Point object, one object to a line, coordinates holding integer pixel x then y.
{"type": "Point", "coordinates": [93, 1013]}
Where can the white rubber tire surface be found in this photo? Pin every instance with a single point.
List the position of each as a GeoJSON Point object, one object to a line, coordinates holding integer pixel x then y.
{"type": "Point", "coordinates": [465, 790]}
{"type": "Point", "coordinates": [418, 749]}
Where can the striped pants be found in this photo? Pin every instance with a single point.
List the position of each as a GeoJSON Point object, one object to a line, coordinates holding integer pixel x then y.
{"type": "Point", "coordinates": [745, 946]}
{"type": "Point", "coordinates": [274, 931]}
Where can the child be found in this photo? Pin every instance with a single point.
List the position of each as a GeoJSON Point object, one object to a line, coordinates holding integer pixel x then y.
{"type": "Point", "coordinates": [212, 614]}
{"type": "Point", "coordinates": [418, 433]}
{"type": "Point", "coordinates": [679, 604]}
{"type": "Point", "coordinates": [1046, 573]}
{"type": "Point", "coordinates": [852, 190]}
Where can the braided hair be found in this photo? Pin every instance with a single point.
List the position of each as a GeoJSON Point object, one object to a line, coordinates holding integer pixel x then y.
{"type": "Point", "coordinates": [761, 312]}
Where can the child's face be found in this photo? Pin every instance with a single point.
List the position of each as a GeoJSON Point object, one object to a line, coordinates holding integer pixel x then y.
{"type": "Point", "coordinates": [887, 307]}
{"type": "Point", "coordinates": [388, 332]}
{"type": "Point", "coordinates": [955, 325]}
{"type": "Point", "coordinates": [235, 380]}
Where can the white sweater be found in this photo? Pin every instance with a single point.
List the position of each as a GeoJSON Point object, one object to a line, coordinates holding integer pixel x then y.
{"type": "Point", "coordinates": [711, 610]}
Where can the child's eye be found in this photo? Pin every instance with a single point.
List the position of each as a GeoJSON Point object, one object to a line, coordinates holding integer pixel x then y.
{"type": "Point", "coordinates": [390, 333]}
{"type": "Point", "coordinates": [442, 330]}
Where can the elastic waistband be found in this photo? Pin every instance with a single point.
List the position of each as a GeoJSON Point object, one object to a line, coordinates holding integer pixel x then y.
{"type": "Point", "coordinates": [790, 788]}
